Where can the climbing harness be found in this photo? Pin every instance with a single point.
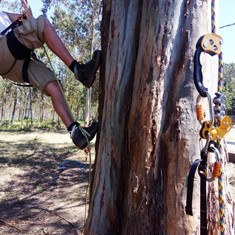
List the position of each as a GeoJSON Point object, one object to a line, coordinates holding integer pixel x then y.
{"type": "Point", "coordinates": [212, 130]}
{"type": "Point", "coordinates": [17, 49]}
{"type": "Point", "coordinates": [15, 24]}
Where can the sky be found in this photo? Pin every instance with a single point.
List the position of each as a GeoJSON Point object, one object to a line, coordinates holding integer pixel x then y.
{"type": "Point", "coordinates": [225, 16]}
{"type": "Point", "coordinates": [36, 6]}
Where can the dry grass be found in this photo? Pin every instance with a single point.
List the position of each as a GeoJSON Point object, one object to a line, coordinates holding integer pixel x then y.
{"type": "Point", "coordinates": [35, 197]}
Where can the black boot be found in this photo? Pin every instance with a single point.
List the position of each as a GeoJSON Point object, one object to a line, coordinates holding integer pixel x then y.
{"type": "Point", "coordinates": [85, 73]}
{"type": "Point", "coordinates": [82, 135]}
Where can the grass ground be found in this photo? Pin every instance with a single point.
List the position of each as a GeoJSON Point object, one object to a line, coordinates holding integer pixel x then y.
{"type": "Point", "coordinates": [37, 198]}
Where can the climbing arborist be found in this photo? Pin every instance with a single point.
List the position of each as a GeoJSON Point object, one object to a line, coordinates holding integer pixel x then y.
{"type": "Point", "coordinates": [20, 35]}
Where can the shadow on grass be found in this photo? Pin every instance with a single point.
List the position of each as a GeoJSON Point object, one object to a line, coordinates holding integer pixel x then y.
{"type": "Point", "coordinates": [28, 196]}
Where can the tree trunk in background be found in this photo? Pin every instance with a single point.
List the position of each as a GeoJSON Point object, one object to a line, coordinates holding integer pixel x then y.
{"type": "Point", "coordinates": [88, 94]}
{"type": "Point", "coordinates": [88, 107]}
{"type": "Point", "coordinates": [28, 112]}
{"type": "Point", "coordinates": [3, 105]}
{"type": "Point", "coordinates": [149, 132]}
{"type": "Point", "coordinates": [42, 108]}
{"type": "Point", "coordinates": [14, 106]}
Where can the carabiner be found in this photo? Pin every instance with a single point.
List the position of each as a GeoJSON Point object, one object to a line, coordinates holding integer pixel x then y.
{"type": "Point", "coordinates": [217, 165]}
{"type": "Point", "coordinates": [210, 44]}
{"type": "Point", "coordinates": [202, 170]}
{"type": "Point", "coordinates": [199, 109]}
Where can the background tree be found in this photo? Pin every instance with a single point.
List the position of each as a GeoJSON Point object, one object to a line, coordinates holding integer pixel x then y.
{"type": "Point", "coordinates": [78, 24]}
{"type": "Point", "coordinates": [229, 87]}
{"type": "Point", "coordinates": [72, 20]}
{"type": "Point", "coordinates": [148, 129]}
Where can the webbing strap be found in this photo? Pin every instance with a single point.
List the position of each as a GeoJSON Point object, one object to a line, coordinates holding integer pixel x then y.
{"type": "Point", "coordinates": [188, 208]}
{"type": "Point", "coordinates": [203, 207]}
{"type": "Point", "coordinates": [11, 26]}
{"type": "Point", "coordinates": [20, 52]}
{"type": "Point", "coordinates": [17, 49]}
{"type": "Point", "coordinates": [25, 70]}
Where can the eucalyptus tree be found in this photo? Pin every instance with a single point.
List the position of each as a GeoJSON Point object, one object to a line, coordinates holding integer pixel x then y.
{"type": "Point", "coordinates": [149, 132]}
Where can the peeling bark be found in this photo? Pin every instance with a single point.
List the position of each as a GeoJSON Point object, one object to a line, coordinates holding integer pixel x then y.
{"type": "Point", "coordinates": [148, 129]}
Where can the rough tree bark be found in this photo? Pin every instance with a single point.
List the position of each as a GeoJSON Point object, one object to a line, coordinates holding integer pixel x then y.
{"type": "Point", "coordinates": [148, 134]}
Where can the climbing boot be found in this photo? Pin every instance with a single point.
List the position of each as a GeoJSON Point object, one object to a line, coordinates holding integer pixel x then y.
{"type": "Point", "coordinates": [85, 73]}
{"type": "Point", "coordinates": [82, 135]}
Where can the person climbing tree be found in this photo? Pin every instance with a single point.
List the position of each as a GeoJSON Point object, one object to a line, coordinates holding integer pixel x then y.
{"type": "Point", "coordinates": [20, 35]}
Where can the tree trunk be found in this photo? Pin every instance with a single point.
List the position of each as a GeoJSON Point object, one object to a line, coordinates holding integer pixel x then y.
{"type": "Point", "coordinates": [14, 106]}
{"type": "Point", "coordinates": [3, 105]}
{"type": "Point", "coordinates": [89, 91]}
{"type": "Point", "coordinates": [88, 107]}
{"type": "Point", "coordinates": [148, 127]}
{"type": "Point", "coordinates": [42, 104]}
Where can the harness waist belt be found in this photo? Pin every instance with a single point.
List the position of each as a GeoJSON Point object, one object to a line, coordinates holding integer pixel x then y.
{"type": "Point", "coordinates": [17, 49]}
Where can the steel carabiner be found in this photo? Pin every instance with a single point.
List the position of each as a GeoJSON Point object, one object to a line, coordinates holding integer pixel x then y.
{"type": "Point", "coordinates": [210, 44]}
{"type": "Point", "coordinates": [202, 170]}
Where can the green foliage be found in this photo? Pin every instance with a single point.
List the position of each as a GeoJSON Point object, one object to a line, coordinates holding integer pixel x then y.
{"type": "Point", "coordinates": [26, 125]}
{"type": "Point", "coordinates": [77, 23]}
{"type": "Point", "coordinates": [229, 87]}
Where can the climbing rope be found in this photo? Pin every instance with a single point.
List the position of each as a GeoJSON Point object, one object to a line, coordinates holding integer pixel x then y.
{"type": "Point", "coordinates": [213, 24]}
{"type": "Point", "coordinates": [221, 203]}
{"type": "Point", "coordinates": [213, 30]}
{"type": "Point", "coordinates": [220, 86]}
{"type": "Point", "coordinates": [220, 72]}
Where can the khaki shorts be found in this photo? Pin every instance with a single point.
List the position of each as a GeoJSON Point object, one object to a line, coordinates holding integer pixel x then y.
{"type": "Point", "coordinates": [29, 34]}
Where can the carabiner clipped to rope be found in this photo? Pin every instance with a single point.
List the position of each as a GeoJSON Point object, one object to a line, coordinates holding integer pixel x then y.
{"type": "Point", "coordinates": [217, 165]}
{"type": "Point", "coordinates": [210, 44]}
{"type": "Point", "coordinates": [199, 109]}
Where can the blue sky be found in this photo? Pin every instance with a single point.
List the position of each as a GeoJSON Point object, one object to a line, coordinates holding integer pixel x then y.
{"type": "Point", "coordinates": [36, 6]}
{"type": "Point", "coordinates": [225, 16]}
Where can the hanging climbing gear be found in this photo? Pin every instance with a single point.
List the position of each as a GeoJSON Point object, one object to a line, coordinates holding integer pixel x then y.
{"type": "Point", "coordinates": [213, 129]}
{"type": "Point", "coordinates": [210, 44]}
{"type": "Point", "coordinates": [217, 165]}
{"type": "Point", "coordinates": [201, 166]}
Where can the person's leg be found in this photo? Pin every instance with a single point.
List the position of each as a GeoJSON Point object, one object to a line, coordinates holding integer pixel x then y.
{"type": "Point", "coordinates": [59, 103]}
{"type": "Point", "coordinates": [33, 33]}
{"type": "Point", "coordinates": [85, 73]}
{"type": "Point", "coordinates": [79, 135]}
{"type": "Point", "coordinates": [54, 42]}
